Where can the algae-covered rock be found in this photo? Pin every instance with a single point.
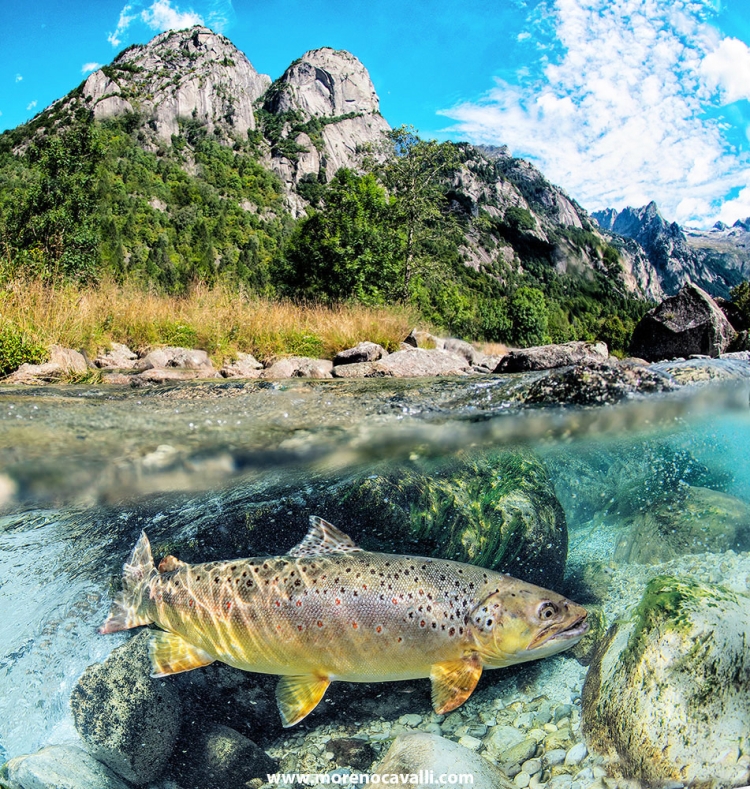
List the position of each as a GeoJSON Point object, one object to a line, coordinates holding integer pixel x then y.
{"type": "Point", "coordinates": [696, 520]}
{"type": "Point", "coordinates": [585, 649]}
{"type": "Point", "coordinates": [58, 767]}
{"type": "Point", "coordinates": [498, 510]}
{"type": "Point", "coordinates": [128, 720]}
{"type": "Point", "coordinates": [669, 689]}
{"type": "Point", "coordinates": [221, 757]}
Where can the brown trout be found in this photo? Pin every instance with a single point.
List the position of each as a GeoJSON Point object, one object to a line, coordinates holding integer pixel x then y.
{"type": "Point", "coordinates": [330, 611]}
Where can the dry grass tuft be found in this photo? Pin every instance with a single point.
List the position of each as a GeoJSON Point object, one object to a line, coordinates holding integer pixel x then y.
{"type": "Point", "coordinates": [220, 320]}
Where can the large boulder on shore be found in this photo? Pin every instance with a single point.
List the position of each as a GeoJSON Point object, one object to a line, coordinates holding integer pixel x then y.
{"type": "Point", "coordinates": [668, 690]}
{"type": "Point", "coordinates": [545, 357]}
{"type": "Point", "coordinates": [362, 352]}
{"type": "Point", "coordinates": [689, 323]}
{"type": "Point", "coordinates": [411, 363]}
{"type": "Point", "coordinates": [127, 720]}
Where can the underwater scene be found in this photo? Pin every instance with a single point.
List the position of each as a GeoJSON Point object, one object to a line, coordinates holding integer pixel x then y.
{"type": "Point", "coordinates": [248, 584]}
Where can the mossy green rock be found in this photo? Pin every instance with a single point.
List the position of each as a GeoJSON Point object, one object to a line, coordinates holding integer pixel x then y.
{"type": "Point", "coordinates": [128, 720]}
{"type": "Point", "coordinates": [668, 691]}
{"type": "Point", "coordinates": [697, 520]}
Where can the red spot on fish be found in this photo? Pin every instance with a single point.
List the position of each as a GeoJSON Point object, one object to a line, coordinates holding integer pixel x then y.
{"type": "Point", "coordinates": [299, 603]}
{"type": "Point", "coordinates": [320, 624]}
{"type": "Point", "coordinates": [355, 625]}
{"type": "Point", "coordinates": [364, 586]}
{"type": "Point", "coordinates": [299, 627]}
{"type": "Point", "coordinates": [399, 640]}
{"type": "Point", "coordinates": [394, 601]}
{"type": "Point", "coordinates": [278, 604]}
{"type": "Point", "coordinates": [378, 629]}
{"type": "Point", "coordinates": [190, 603]}
{"type": "Point", "coordinates": [229, 605]}
{"type": "Point", "coordinates": [338, 602]}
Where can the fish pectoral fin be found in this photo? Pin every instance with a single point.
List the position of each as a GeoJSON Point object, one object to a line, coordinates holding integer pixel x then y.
{"type": "Point", "coordinates": [298, 696]}
{"type": "Point", "coordinates": [453, 682]}
{"type": "Point", "coordinates": [171, 654]}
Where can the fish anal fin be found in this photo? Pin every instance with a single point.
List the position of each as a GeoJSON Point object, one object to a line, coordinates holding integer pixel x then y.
{"type": "Point", "coordinates": [298, 696]}
{"type": "Point", "coordinates": [171, 654]}
{"type": "Point", "coordinates": [453, 682]}
{"type": "Point", "coordinates": [169, 563]}
{"type": "Point", "coordinates": [324, 537]}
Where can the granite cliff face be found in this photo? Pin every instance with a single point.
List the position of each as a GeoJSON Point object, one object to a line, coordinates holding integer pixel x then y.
{"type": "Point", "coordinates": [716, 260]}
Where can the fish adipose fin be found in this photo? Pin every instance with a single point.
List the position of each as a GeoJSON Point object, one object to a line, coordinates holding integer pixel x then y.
{"type": "Point", "coordinates": [171, 654]}
{"type": "Point", "coordinates": [453, 682]}
{"type": "Point", "coordinates": [298, 696]}
{"type": "Point", "coordinates": [324, 537]}
{"type": "Point", "coordinates": [138, 571]}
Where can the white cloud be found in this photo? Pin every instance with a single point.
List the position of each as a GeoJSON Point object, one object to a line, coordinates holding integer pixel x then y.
{"type": "Point", "coordinates": [617, 117]}
{"type": "Point", "coordinates": [31, 105]}
{"type": "Point", "coordinates": [87, 67]}
{"type": "Point", "coordinates": [123, 23]}
{"type": "Point", "coordinates": [727, 69]}
{"type": "Point", "coordinates": [19, 78]}
{"type": "Point", "coordinates": [162, 16]}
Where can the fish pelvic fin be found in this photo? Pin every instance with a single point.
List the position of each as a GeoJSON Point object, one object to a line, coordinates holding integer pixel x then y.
{"type": "Point", "coordinates": [172, 654]}
{"type": "Point", "coordinates": [126, 608]}
{"type": "Point", "coordinates": [453, 682]}
{"type": "Point", "coordinates": [298, 696]}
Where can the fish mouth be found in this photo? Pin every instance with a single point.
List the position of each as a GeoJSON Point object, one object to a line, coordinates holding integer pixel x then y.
{"type": "Point", "coordinates": [578, 628]}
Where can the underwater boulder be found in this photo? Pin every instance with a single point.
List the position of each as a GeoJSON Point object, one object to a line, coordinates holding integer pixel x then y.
{"type": "Point", "coordinates": [127, 719]}
{"type": "Point", "coordinates": [58, 767]}
{"type": "Point", "coordinates": [426, 755]}
{"type": "Point", "coordinates": [668, 691]}
{"type": "Point", "coordinates": [220, 756]}
{"type": "Point", "coordinates": [696, 520]}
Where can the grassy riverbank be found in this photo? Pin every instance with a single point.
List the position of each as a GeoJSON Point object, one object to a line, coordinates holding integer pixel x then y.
{"type": "Point", "coordinates": [220, 320]}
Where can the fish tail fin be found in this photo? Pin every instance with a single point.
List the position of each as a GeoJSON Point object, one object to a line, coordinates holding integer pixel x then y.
{"type": "Point", "coordinates": [126, 608]}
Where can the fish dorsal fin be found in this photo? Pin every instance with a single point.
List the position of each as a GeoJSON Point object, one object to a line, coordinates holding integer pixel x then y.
{"type": "Point", "coordinates": [323, 537]}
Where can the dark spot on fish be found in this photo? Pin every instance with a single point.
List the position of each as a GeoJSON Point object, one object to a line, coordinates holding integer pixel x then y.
{"type": "Point", "coordinates": [216, 580]}
{"type": "Point", "coordinates": [372, 572]}
{"type": "Point", "coordinates": [399, 639]}
{"type": "Point", "coordinates": [422, 623]}
{"type": "Point", "coordinates": [249, 583]}
{"type": "Point", "coordinates": [460, 631]}
{"type": "Point", "coordinates": [452, 631]}
{"type": "Point", "coordinates": [434, 625]}
{"type": "Point", "coordinates": [265, 565]}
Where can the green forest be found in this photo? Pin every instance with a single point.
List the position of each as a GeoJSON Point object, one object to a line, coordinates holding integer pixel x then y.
{"type": "Point", "coordinates": [100, 201]}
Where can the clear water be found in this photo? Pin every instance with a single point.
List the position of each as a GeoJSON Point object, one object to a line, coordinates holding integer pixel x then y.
{"type": "Point", "coordinates": [83, 470]}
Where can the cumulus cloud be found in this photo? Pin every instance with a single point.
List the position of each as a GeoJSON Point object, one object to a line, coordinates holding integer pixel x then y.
{"type": "Point", "coordinates": [614, 109]}
{"type": "Point", "coordinates": [31, 105]}
{"type": "Point", "coordinates": [19, 78]}
{"type": "Point", "coordinates": [88, 67]}
{"type": "Point", "coordinates": [727, 69]}
{"type": "Point", "coordinates": [163, 15]}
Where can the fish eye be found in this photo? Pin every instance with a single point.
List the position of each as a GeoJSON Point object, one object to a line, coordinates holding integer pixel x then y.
{"type": "Point", "coordinates": [547, 610]}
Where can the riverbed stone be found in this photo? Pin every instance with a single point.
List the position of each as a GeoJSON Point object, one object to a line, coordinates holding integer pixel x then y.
{"type": "Point", "coordinates": [127, 719]}
{"type": "Point", "coordinates": [668, 692]}
{"type": "Point", "coordinates": [362, 352]}
{"type": "Point", "coordinates": [546, 357]}
{"type": "Point", "coordinates": [414, 752]}
{"type": "Point", "coordinates": [694, 520]}
{"type": "Point", "coordinates": [299, 367]}
{"type": "Point", "coordinates": [219, 756]}
{"type": "Point", "coordinates": [351, 752]}
{"type": "Point", "coordinates": [689, 323]}
{"type": "Point", "coordinates": [419, 363]}
{"type": "Point", "coordinates": [59, 767]}
{"type": "Point", "coordinates": [501, 739]}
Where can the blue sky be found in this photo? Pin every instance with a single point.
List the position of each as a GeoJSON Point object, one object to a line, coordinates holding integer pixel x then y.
{"type": "Point", "coordinates": [617, 101]}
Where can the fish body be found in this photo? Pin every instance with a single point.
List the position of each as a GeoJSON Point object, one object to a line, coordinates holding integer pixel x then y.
{"type": "Point", "coordinates": [331, 611]}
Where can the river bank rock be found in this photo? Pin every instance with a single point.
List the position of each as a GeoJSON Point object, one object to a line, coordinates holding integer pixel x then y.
{"type": "Point", "coordinates": [362, 352]}
{"type": "Point", "coordinates": [597, 383]}
{"type": "Point", "coordinates": [668, 690]}
{"type": "Point", "coordinates": [694, 520]}
{"type": "Point", "coordinates": [298, 367]}
{"type": "Point", "coordinates": [689, 323]}
{"type": "Point", "coordinates": [217, 756]}
{"type": "Point", "coordinates": [170, 356]}
{"type": "Point", "coordinates": [412, 363]}
{"type": "Point", "coordinates": [243, 365]}
{"type": "Point", "coordinates": [425, 755]}
{"type": "Point", "coordinates": [127, 720]}
{"type": "Point", "coordinates": [59, 767]}
{"type": "Point", "coordinates": [545, 357]}
{"type": "Point", "coordinates": [118, 357]}
{"type": "Point", "coordinates": [62, 362]}
{"type": "Point", "coordinates": [423, 339]}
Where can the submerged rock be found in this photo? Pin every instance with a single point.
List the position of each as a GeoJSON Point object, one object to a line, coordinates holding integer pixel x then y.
{"type": "Point", "coordinates": [221, 757]}
{"type": "Point", "coordinates": [545, 357]}
{"type": "Point", "coordinates": [689, 323]}
{"type": "Point", "coordinates": [597, 383]}
{"type": "Point", "coordinates": [669, 689]}
{"type": "Point", "coordinates": [59, 767]}
{"type": "Point", "coordinates": [426, 755]}
{"type": "Point", "coordinates": [696, 520]}
{"type": "Point", "coordinates": [128, 720]}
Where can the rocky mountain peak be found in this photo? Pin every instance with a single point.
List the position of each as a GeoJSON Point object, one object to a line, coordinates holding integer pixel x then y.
{"type": "Point", "coordinates": [324, 83]}
{"type": "Point", "coordinates": [193, 73]}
